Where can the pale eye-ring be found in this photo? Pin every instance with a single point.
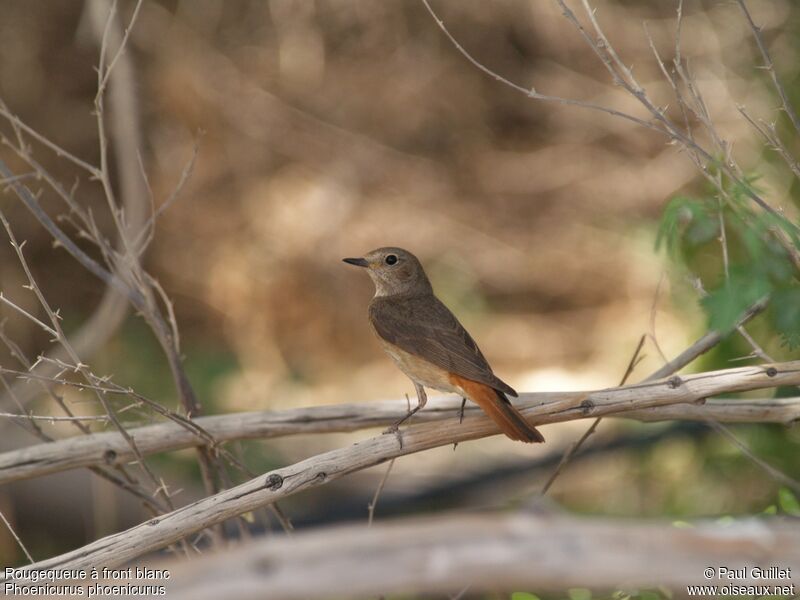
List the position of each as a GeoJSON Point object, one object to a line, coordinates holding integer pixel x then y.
{"type": "Point", "coordinates": [390, 259]}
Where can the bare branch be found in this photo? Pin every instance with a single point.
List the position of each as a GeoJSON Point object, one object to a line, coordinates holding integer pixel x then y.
{"type": "Point", "coordinates": [121, 479]}
{"type": "Point", "coordinates": [530, 92]}
{"type": "Point", "coordinates": [61, 338]}
{"type": "Point", "coordinates": [23, 312]}
{"type": "Point", "coordinates": [573, 448]}
{"type": "Point", "coordinates": [128, 265]}
{"type": "Point", "coordinates": [17, 123]}
{"type": "Point", "coordinates": [32, 204]}
{"type": "Point", "coordinates": [770, 67]}
{"type": "Point", "coordinates": [705, 343]}
{"type": "Point", "coordinates": [776, 474]}
{"type": "Point", "coordinates": [109, 448]}
{"type": "Point", "coordinates": [374, 502]}
{"type": "Point", "coordinates": [54, 419]}
{"type": "Point", "coordinates": [16, 537]}
{"type": "Point", "coordinates": [773, 140]}
{"type": "Point", "coordinates": [105, 71]}
{"type": "Point", "coordinates": [622, 75]}
{"type": "Point", "coordinates": [320, 469]}
{"type": "Point", "coordinates": [144, 238]}
{"type": "Point", "coordinates": [493, 553]}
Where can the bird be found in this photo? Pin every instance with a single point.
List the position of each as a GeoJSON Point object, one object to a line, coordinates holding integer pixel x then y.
{"type": "Point", "coordinates": [428, 343]}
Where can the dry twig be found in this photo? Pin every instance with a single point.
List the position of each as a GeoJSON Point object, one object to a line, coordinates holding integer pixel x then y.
{"type": "Point", "coordinates": [320, 469]}
{"type": "Point", "coordinates": [110, 448]}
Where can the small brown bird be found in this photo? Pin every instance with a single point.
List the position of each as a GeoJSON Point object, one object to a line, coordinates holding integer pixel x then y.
{"type": "Point", "coordinates": [429, 344]}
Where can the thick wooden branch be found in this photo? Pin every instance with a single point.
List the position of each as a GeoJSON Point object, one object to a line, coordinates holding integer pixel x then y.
{"type": "Point", "coordinates": [724, 410]}
{"type": "Point", "coordinates": [273, 486]}
{"type": "Point", "coordinates": [109, 448]}
{"type": "Point", "coordinates": [491, 553]}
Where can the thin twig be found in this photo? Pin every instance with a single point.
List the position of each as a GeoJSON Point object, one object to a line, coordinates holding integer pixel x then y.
{"type": "Point", "coordinates": [374, 502]}
{"type": "Point", "coordinates": [128, 265]}
{"type": "Point", "coordinates": [772, 471]}
{"type": "Point", "coordinates": [25, 313]}
{"type": "Point", "coordinates": [124, 481]}
{"type": "Point", "coordinates": [32, 204]}
{"type": "Point", "coordinates": [623, 76]}
{"type": "Point", "coordinates": [723, 241]}
{"type": "Point", "coordinates": [16, 537]}
{"type": "Point", "coordinates": [770, 67]}
{"type": "Point", "coordinates": [58, 150]}
{"type": "Point", "coordinates": [705, 343]}
{"type": "Point", "coordinates": [82, 369]}
{"type": "Point", "coordinates": [54, 419]}
{"type": "Point", "coordinates": [530, 92]}
{"type": "Point", "coordinates": [145, 237]}
{"type": "Point", "coordinates": [573, 449]}
{"type": "Point", "coordinates": [771, 137]}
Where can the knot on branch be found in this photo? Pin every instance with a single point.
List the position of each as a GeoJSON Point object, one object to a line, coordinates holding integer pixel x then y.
{"type": "Point", "coordinates": [772, 371]}
{"type": "Point", "coordinates": [674, 382]}
{"type": "Point", "coordinates": [587, 406]}
{"type": "Point", "coordinates": [110, 457]}
{"type": "Point", "coordinates": [274, 482]}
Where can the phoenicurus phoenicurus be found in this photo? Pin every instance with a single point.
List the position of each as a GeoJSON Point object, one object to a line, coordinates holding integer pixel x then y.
{"type": "Point", "coordinates": [429, 345]}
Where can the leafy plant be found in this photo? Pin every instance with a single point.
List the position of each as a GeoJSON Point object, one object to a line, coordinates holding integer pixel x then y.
{"type": "Point", "coordinates": [788, 502]}
{"type": "Point", "coordinates": [739, 254]}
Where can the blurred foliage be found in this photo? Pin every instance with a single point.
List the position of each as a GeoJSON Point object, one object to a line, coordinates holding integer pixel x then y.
{"type": "Point", "coordinates": [136, 361]}
{"type": "Point", "coordinates": [750, 263]}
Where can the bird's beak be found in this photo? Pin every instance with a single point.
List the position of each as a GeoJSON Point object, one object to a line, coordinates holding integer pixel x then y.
{"type": "Point", "coordinates": [359, 262]}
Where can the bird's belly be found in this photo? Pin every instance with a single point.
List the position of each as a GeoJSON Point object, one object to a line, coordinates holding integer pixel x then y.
{"type": "Point", "coordinates": [420, 370]}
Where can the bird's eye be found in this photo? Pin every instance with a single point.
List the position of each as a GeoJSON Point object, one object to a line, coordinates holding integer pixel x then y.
{"type": "Point", "coordinates": [391, 259]}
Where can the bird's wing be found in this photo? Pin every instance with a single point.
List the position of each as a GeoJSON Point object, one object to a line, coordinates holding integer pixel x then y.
{"type": "Point", "coordinates": [424, 327]}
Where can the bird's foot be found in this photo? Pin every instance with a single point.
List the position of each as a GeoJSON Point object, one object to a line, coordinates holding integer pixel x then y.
{"type": "Point", "coordinates": [395, 429]}
{"type": "Point", "coordinates": [460, 419]}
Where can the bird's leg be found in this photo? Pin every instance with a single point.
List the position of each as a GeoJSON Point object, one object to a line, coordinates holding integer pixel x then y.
{"type": "Point", "coordinates": [460, 419]}
{"type": "Point", "coordinates": [422, 398]}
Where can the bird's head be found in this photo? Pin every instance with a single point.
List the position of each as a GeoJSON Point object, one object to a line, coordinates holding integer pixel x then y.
{"type": "Point", "coordinates": [394, 271]}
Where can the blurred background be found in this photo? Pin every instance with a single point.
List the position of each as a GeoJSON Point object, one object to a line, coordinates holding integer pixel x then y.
{"type": "Point", "coordinates": [329, 128]}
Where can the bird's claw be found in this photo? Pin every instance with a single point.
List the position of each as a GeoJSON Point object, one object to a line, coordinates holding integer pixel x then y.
{"type": "Point", "coordinates": [395, 429]}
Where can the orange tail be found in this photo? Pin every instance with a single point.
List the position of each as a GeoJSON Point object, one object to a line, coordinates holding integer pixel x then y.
{"type": "Point", "coordinates": [499, 409]}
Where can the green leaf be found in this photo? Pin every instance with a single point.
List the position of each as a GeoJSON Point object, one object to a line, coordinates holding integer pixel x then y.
{"type": "Point", "coordinates": [726, 304]}
{"type": "Point", "coordinates": [682, 524]}
{"type": "Point", "coordinates": [703, 228]}
{"type": "Point", "coordinates": [683, 217]}
{"type": "Point", "coordinates": [524, 596]}
{"type": "Point", "coordinates": [753, 241]}
{"type": "Point", "coordinates": [725, 520]}
{"type": "Point", "coordinates": [785, 313]}
{"type": "Point", "coordinates": [788, 502]}
{"type": "Point", "coordinates": [579, 594]}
